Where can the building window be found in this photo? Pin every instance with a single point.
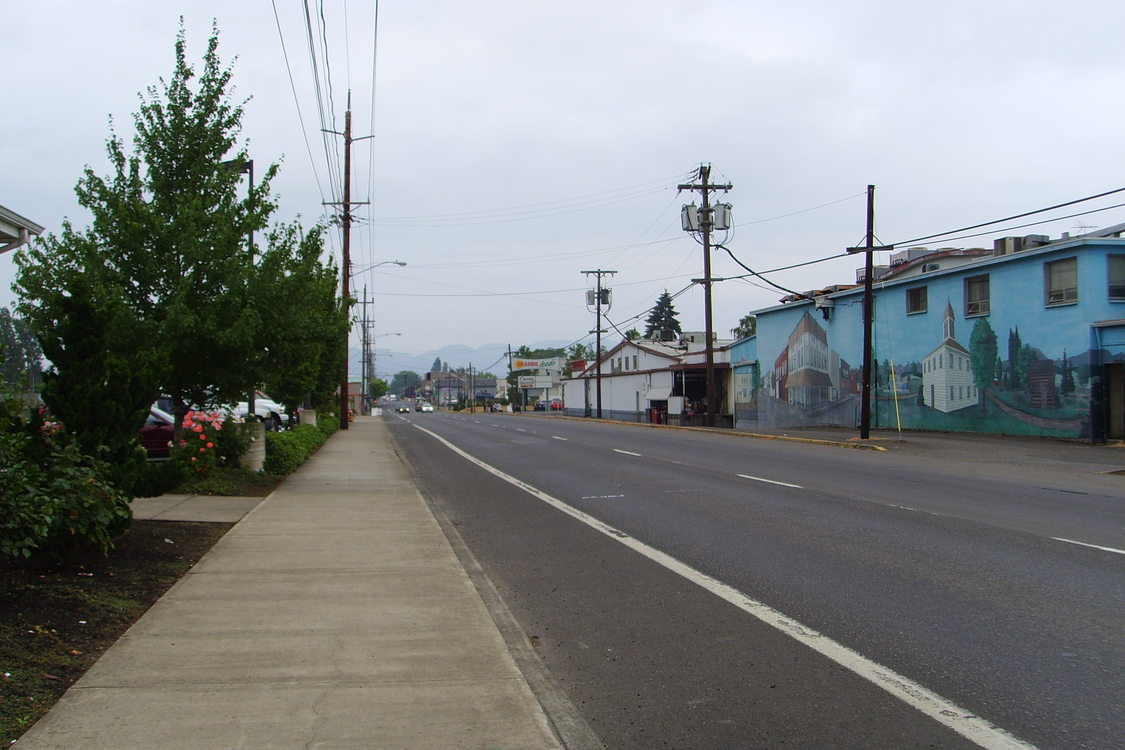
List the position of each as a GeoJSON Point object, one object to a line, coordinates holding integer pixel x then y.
{"type": "Point", "coordinates": [1061, 281]}
{"type": "Point", "coordinates": [976, 296]}
{"type": "Point", "coordinates": [916, 300]}
{"type": "Point", "coordinates": [1117, 277]}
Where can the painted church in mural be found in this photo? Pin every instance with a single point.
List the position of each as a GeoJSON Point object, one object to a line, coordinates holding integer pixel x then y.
{"type": "Point", "coordinates": [1024, 343]}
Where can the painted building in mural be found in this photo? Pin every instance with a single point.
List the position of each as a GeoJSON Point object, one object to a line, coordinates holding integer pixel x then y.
{"type": "Point", "coordinates": [947, 372]}
{"type": "Point", "coordinates": [1026, 339]}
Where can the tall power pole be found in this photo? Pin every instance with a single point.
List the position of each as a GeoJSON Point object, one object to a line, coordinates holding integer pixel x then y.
{"type": "Point", "coordinates": [868, 249]}
{"type": "Point", "coordinates": [346, 266]}
{"type": "Point", "coordinates": [706, 224]}
{"type": "Point", "coordinates": [601, 297]}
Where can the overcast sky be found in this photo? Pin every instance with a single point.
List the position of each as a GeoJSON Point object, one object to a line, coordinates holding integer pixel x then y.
{"type": "Point", "coordinates": [519, 143]}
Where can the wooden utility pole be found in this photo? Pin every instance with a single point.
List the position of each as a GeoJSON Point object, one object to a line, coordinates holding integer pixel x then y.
{"type": "Point", "coordinates": [346, 265]}
{"type": "Point", "coordinates": [600, 295]}
{"type": "Point", "coordinates": [707, 222]}
{"type": "Point", "coordinates": [868, 249]}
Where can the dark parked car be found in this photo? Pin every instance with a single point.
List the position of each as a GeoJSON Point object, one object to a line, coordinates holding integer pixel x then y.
{"type": "Point", "coordinates": [156, 435]}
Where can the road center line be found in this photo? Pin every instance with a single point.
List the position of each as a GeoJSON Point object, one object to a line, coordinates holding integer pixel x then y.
{"type": "Point", "coordinates": [979, 731]}
{"type": "Point", "coordinates": [771, 481]}
{"type": "Point", "coordinates": [627, 453]}
{"type": "Point", "coordinates": [1086, 544]}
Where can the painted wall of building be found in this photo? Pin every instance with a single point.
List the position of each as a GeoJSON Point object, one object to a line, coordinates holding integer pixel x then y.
{"type": "Point", "coordinates": [1025, 367]}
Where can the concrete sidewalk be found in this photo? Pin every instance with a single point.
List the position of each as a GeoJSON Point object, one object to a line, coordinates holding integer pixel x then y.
{"type": "Point", "coordinates": [335, 615]}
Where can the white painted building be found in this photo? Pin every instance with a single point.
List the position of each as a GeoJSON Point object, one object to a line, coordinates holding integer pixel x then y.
{"type": "Point", "coordinates": [947, 372]}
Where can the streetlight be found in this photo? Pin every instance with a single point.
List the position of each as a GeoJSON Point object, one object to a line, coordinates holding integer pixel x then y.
{"type": "Point", "coordinates": [380, 263]}
{"type": "Point", "coordinates": [347, 274]}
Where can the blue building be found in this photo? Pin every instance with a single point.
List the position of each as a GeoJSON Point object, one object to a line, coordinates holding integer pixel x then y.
{"type": "Point", "coordinates": [1025, 339]}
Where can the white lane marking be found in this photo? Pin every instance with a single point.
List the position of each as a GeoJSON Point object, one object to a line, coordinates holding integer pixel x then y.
{"type": "Point", "coordinates": [601, 497]}
{"type": "Point", "coordinates": [627, 453]}
{"type": "Point", "coordinates": [1086, 544]}
{"type": "Point", "coordinates": [556, 437]}
{"type": "Point", "coordinates": [967, 724]}
{"type": "Point", "coordinates": [518, 429]}
{"type": "Point", "coordinates": [771, 481]}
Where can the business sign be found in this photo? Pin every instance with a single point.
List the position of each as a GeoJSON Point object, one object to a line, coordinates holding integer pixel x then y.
{"type": "Point", "coordinates": [536, 364]}
{"type": "Point", "coordinates": [535, 381]}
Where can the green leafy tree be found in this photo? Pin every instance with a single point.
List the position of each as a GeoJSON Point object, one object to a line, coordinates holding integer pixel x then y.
{"type": "Point", "coordinates": [21, 356]}
{"type": "Point", "coordinates": [406, 382]}
{"type": "Point", "coordinates": [294, 295]}
{"type": "Point", "coordinates": [378, 388]}
{"type": "Point", "coordinates": [436, 366]}
{"type": "Point", "coordinates": [747, 327]}
{"type": "Point", "coordinates": [105, 371]}
{"type": "Point", "coordinates": [662, 319]}
{"type": "Point", "coordinates": [173, 229]}
{"type": "Point", "coordinates": [982, 354]}
{"type": "Point", "coordinates": [632, 334]}
{"type": "Point", "coordinates": [156, 295]}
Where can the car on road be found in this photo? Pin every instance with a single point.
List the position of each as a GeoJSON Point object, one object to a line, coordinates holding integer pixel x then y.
{"type": "Point", "coordinates": [402, 408]}
{"type": "Point", "coordinates": [427, 407]}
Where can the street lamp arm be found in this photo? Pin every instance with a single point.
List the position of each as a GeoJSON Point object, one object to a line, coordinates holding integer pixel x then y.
{"type": "Point", "coordinates": [380, 263]}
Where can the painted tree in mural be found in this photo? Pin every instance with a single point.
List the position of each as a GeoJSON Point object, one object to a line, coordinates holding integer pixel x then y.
{"type": "Point", "coordinates": [982, 353]}
{"type": "Point", "coordinates": [1066, 387]}
{"type": "Point", "coordinates": [662, 318]}
{"type": "Point", "coordinates": [1014, 345]}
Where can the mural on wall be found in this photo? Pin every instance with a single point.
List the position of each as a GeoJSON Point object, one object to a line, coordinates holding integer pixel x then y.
{"type": "Point", "coordinates": [946, 383]}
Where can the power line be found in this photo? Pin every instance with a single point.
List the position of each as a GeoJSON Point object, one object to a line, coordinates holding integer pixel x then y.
{"type": "Point", "coordinates": [802, 211]}
{"type": "Point", "coordinates": [505, 216]}
{"type": "Point", "coordinates": [297, 101]}
{"type": "Point", "coordinates": [1009, 218]}
{"type": "Point", "coordinates": [1034, 223]}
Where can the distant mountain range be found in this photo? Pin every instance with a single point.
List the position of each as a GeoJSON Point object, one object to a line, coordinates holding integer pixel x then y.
{"type": "Point", "coordinates": [488, 357]}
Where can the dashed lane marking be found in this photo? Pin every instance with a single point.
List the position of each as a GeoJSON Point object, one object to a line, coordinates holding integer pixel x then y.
{"type": "Point", "coordinates": [983, 733]}
{"type": "Point", "coordinates": [1086, 544]}
{"type": "Point", "coordinates": [771, 481]}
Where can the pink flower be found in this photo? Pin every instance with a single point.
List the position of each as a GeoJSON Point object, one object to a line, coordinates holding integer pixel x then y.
{"type": "Point", "coordinates": [210, 445]}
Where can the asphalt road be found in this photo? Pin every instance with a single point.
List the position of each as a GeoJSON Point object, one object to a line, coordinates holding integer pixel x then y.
{"type": "Point", "coordinates": [946, 569]}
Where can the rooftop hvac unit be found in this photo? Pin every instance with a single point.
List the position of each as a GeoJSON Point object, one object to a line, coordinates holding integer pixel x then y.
{"type": "Point", "coordinates": [860, 273]}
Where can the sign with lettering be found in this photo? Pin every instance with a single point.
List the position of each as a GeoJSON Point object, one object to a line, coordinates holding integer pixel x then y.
{"type": "Point", "coordinates": [536, 364]}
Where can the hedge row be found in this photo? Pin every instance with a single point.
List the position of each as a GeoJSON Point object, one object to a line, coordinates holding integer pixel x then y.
{"type": "Point", "coordinates": [288, 449]}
